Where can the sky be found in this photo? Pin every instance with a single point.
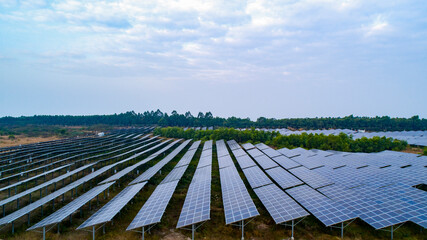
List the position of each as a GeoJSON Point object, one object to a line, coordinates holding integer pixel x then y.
{"type": "Point", "coordinates": [278, 59]}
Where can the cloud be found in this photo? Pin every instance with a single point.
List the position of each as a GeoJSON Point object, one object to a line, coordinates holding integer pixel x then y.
{"type": "Point", "coordinates": [377, 27]}
{"type": "Point", "coordinates": [210, 39]}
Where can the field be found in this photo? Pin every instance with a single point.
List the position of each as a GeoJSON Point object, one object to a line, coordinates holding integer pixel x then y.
{"type": "Point", "coordinates": [261, 227]}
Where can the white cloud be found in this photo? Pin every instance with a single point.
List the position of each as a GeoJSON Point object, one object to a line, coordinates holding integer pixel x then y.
{"type": "Point", "coordinates": [377, 27]}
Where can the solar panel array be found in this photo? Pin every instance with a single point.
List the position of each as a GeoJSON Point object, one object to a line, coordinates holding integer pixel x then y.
{"type": "Point", "coordinates": [155, 206]}
{"type": "Point", "coordinates": [27, 209]}
{"type": "Point", "coordinates": [280, 206]}
{"type": "Point", "coordinates": [145, 176]}
{"type": "Point", "coordinates": [329, 212]}
{"type": "Point", "coordinates": [70, 208]}
{"type": "Point", "coordinates": [129, 169]}
{"type": "Point", "coordinates": [333, 186]}
{"type": "Point", "coordinates": [197, 203]}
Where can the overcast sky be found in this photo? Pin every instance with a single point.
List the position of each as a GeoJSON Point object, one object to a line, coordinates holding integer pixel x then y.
{"type": "Point", "coordinates": [268, 58]}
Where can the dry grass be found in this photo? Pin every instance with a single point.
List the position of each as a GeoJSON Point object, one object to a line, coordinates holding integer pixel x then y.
{"type": "Point", "coordinates": [22, 139]}
{"type": "Point", "coordinates": [411, 149]}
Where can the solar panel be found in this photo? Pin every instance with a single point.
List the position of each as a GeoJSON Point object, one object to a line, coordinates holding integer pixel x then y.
{"type": "Point", "coordinates": [154, 207]}
{"type": "Point", "coordinates": [207, 145]}
{"type": "Point", "coordinates": [70, 208]}
{"type": "Point", "coordinates": [326, 210]}
{"type": "Point", "coordinates": [310, 177]}
{"type": "Point", "coordinates": [203, 162]}
{"type": "Point", "coordinates": [195, 145]}
{"type": "Point", "coordinates": [281, 207]}
{"type": "Point", "coordinates": [174, 175]}
{"type": "Point", "coordinates": [265, 162]}
{"type": "Point", "coordinates": [225, 161]}
{"type": "Point", "coordinates": [221, 148]}
{"type": "Point", "coordinates": [255, 153]}
{"type": "Point", "coordinates": [197, 202]}
{"type": "Point", "coordinates": [310, 162]}
{"type": "Point", "coordinates": [271, 152]}
{"type": "Point", "coordinates": [233, 145]}
{"type": "Point", "coordinates": [283, 178]}
{"type": "Point", "coordinates": [288, 152]}
{"type": "Point", "coordinates": [285, 162]}
{"type": "Point", "coordinates": [261, 146]}
{"type": "Point", "coordinates": [239, 152]}
{"type": "Point", "coordinates": [245, 161]}
{"type": "Point", "coordinates": [256, 177]}
{"type": "Point", "coordinates": [109, 210]}
{"type": "Point", "coordinates": [148, 174]}
{"type": "Point", "coordinates": [45, 184]}
{"type": "Point", "coordinates": [248, 146]}
{"type": "Point", "coordinates": [238, 204]}
{"type": "Point", "coordinates": [186, 159]}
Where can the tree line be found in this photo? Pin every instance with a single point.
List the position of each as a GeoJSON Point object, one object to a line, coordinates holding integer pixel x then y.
{"type": "Point", "coordinates": [341, 142]}
{"type": "Point", "coordinates": [207, 119]}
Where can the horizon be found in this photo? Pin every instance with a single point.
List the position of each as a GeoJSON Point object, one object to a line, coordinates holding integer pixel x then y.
{"type": "Point", "coordinates": [215, 116]}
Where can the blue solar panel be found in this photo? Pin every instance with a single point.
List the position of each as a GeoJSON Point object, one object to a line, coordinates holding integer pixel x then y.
{"type": "Point", "coordinates": [285, 162]}
{"type": "Point", "coordinates": [238, 204]}
{"type": "Point", "coordinates": [265, 162]}
{"type": "Point", "coordinates": [283, 178]}
{"type": "Point", "coordinates": [154, 207]}
{"type": "Point", "coordinates": [326, 210]}
{"type": "Point", "coordinates": [245, 161]}
{"type": "Point", "coordinates": [197, 202]}
{"type": "Point", "coordinates": [281, 207]}
{"type": "Point", "coordinates": [256, 177]}
{"type": "Point", "coordinates": [310, 177]}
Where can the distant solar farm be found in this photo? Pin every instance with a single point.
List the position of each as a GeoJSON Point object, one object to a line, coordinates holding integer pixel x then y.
{"type": "Point", "coordinates": [68, 182]}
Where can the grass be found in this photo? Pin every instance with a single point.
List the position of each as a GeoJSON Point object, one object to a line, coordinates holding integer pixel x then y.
{"type": "Point", "coordinates": [261, 227]}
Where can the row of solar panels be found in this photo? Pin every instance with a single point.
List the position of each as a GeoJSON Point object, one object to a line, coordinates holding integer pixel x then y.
{"type": "Point", "coordinates": [71, 161]}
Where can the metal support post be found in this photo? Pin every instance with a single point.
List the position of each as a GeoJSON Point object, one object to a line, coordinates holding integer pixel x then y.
{"type": "Point", "coordinates": [292, 236]}
{"type": "Point", "coordinates": [192, 232]}
{"type": "Point", "coordinates": [342, 230]}
{"type": "Point", "coordinates": [243, 229]}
